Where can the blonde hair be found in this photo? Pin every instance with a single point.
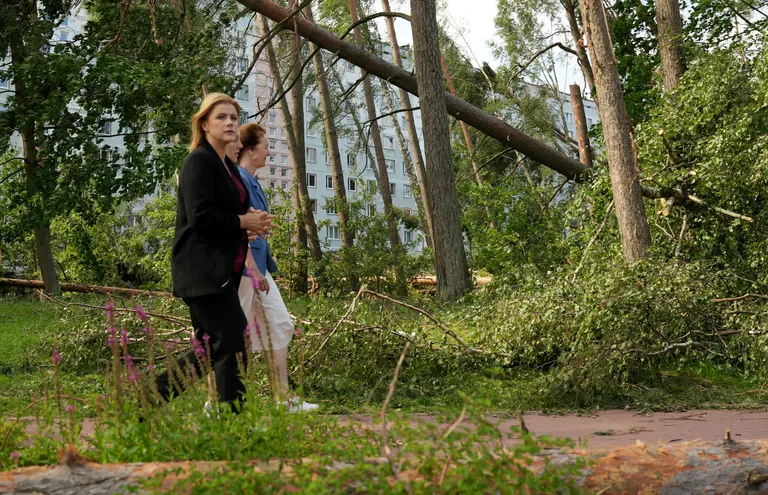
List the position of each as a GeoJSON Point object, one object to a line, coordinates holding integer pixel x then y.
{"type": "Point", "coordinates": [206, 107]}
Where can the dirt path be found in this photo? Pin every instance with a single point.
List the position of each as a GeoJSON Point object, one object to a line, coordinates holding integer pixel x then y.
{"type": "Point", "coordinates": [615, 427]}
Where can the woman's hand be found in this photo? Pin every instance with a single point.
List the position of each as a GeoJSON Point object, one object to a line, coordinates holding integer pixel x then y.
{"type": "Point", "coordinates": [258, 222]}
{"type": "Point", "coordinates": [262, 281]}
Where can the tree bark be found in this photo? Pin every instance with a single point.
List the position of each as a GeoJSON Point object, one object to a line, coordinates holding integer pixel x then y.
{"type": "Point", "coordinates": [300, 166]}
{"type": "Point", "coordinates": [450, 258]}
{"type": "Point", "coordinates": [416, 189]}
{"type": "Point", "coordinates": [477, 118]}
{"type": "Point", "coordinates": [620, 147]}
{"type": "Point", "coordinates": [582, 130]}
{"type": "Point", "coordinates": [670, 36]}
{"type": "Point", "coordinates": [299, 277]}
{"type": "Point", "coordinates": [578, 41]}
{"type": "Point", "coordinates": [334, 154]}
{"type": "Point", "coordinates": [381, 164]}
{"type": "Point", "coordinates": [410, 124]}
{"type": "Point", "coordinates": [31, 168]}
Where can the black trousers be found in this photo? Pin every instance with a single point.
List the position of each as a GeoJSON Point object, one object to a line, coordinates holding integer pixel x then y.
{"type": "Point", "coordinates": [221, 318]}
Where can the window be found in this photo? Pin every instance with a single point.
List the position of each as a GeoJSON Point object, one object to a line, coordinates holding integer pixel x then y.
{"type": "Point", "coordinates": [351, 184]}
{"type": "Point", "coordinates": [403, 122]}
{"type": "Point", "coordinates": [371, 210]}
{"type": "Point", "coordinates": [407, 236]}
{"type": "Point", "coordinates": [330, 207]}
{"type": "Point", "coordinates": [569, 117]}
{"type": "Point", "coordinates": [351, 161]}
{"type": "Point", "coordinates": [387, 120]}
{"type": "Point", "coordinates": [311, 155]}
{"type": "Point", "coordinates": [282, 132]}
{"type": "Point", "coordinates": [272, 170]}
{"type": "Point", "coordinates": [271, 159]}
{"type": "Point", "coordinates": [329, 182]}
{"type": "Point", "coordinates": [272, 117]}
{"type": "Point", "coordinates": [350, 66]}
{"type": "Point", "coordinates": [270, 82]}
{"type": "Point", "coordinates": [406, 191]}
{"type": "Point", "coordinates": [243, 117]}
{"type": "Point", "coordinates": [284, 185]}
{"type": "Point", "coordinates": [313, 205]}
{"type": "Point", "coordinates": [372, 185]}
{"type": "Point", "coordinates": [589, 122]}
{"type": "Point", "coordinates": [272, 144]}
{"type": "Point", "coordinates": [272, 184]}
{"type": "Point", "coordinates": [390, 165]}
{"type": "Point", "coordinates": [283, 146]}
{"type": "Point", "coordinates": [389, 142]}
{"type": "Point", "coordinates": [242, 93]}
{"type": "Point", "coordinates": [570, 133]}
{"type": "Point", "coordinates": [107, 129]}
{"type": "Point", "coordinates": [393, 189]}
{"type": "Point", "coordinates": [63, 36]}
{"type": "Point", "coordinates": [311, 103]}
{"type": "Point", "coordinates": [283, 160]}
{"type": "Point", "coordinates": [4, 83]}
{"type": "Point", "coordinates": [326, 157]}
{"type": "Point", "coordinates": [242, 64]}
{"type": "Point", "coordinates": [311, 180]}
{"type": "Point", "coordinates": [273, 111]}
{"type": "Point", "coordinates": [332, 232]}
{"type": "Point", "coordinates": [272, 132]}
{"type": "Point", "coordinates": [105, 155]}
{"type": "Point", "coordinates": [65, 21]}
{"type": "Point", "coordinates": [311, 132]}
{"type": "Point", "coordinates": [283, 172]}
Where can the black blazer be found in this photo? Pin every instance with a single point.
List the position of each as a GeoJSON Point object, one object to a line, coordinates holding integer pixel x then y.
{"type": "Point", "coordinates": [208, 234]}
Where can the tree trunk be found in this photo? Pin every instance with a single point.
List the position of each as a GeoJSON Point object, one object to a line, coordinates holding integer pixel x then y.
{"type": "Point", "coordinates": [299, 277]}
{"type": "Point", "coordinates": [410, 124]}
{"type": "Point", "coordinates": [450, 258]}
{"type": "Point", "coordinates": [578, 41]}
{"type": "Point", "coordinates": [582, 131]}
{"type": "Point", "coordinates": [670, 36]}
{"type": "Point", "coordinates": [477, 118]}
{"type": "Point", "coordinates": [620, 145]}
{"type": "Point", "coordinates": [381, 164]}
{"type": "Point", "coordinates": [334, 154]}
{"type": "Point", "coordinates": [300, 166]}
{"type": "Point", "coordinates": [416, 189]}
{"type": "Point", "coordinates": [468, 141]}
{"type": "Point", "coordinates": [31, 167]}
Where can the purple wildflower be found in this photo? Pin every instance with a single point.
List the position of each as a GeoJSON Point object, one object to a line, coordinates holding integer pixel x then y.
{"type": "Point", "coordinates": [257, 327]}
{"type": "Point", "coordinates": [298, 332]}
{"type": "Point", "coordinates": [70, 408]}
{"type": "Point", "coordinates": [132, 377]}
{"type": "Point", "coordinates": [198, 348]}
{"type": "Point", "coordinates": [111, 341]}
{"type": "Point", "coordinates": [110, 307]}
{"type": "Point", "coordinates": [150, 368]}
{"type": "Point", "coordinates": [147, 330]}
{"type": "Point", "coordinates": [56, 356]}
{"type": "Point", "coordinates": [206, 338]}
{"type": "Point", "coordinates": [170, 346]}
{"type": "Point", "coordinates": [140, 313]}
{"type": "Point", "coordinates": [15, 455]}
{"type": "Point", "coordinates": [124, 338]}
{"type": "Point", "coordinates": [128, 361]}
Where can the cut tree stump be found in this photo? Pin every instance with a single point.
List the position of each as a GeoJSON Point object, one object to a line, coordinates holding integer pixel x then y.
{"type": "Point", "coordinates": [725, 467]}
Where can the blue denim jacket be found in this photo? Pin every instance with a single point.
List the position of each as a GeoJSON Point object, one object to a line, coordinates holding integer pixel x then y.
{"type": "Point", "coordinates": [259, 247]}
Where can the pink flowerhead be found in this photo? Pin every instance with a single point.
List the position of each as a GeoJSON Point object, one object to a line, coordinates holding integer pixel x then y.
{"type": "Point", "coordinates": [170, 346]}
{"type": "Point", "coordinates": [70, 408]}
{"type": "Point", "coordinates": [112, 331]}
{"type": "Point", "coordinates": [110, 307]}
{"type": "Point", "coordinates": [298, 332]}
{"type": "Point", "coordinates": [252, 276]}
{"type": "Point", "coordinates": [124, 338]}
{"type": "Point", "coordinates": [257, 327]}
{"type": "Point", "coordinates": [140, 313]}
{"type": "Point", "coordinates": [147, 330]}
{"type": "Point", "coordinates": [15, 455]}
{"type": "Point", "coordinates": [56, 356]}
{"type": "Point", "coordinates": [198, 348]}
{"type": "Point", "coordinates": [132, 377]}
{"type": "Point", "coordinates": [206, 338]}
{"type": "Point", "coordinates": [111, 341]}
{"type": "Point", "coordinates": [128, 361]}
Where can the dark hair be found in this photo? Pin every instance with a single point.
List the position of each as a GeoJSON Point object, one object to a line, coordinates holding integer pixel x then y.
{"type": "Point", "coordinates": [251, 134]}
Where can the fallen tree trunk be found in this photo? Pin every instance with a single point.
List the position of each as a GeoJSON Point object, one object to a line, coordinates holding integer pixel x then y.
{"type": "Point", "coordinates": [690, 467]}
{"type": "Point", "coordinates": [83, 288]}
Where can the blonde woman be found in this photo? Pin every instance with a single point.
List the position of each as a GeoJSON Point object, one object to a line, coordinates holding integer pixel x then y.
{"type": "Point", "coordinates": [213, 224]}
{"type": "Point", "coordinates": [272, 328]}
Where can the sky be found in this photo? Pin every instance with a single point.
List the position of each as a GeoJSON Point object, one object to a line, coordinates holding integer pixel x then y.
{"type": "Point", "coordinates": [475, 20]}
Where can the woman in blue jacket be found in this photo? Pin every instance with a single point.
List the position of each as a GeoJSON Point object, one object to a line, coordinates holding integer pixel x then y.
{"type": "Point", "coordinates": [271, 325]}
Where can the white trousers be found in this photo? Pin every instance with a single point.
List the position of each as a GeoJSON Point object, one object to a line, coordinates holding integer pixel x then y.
{"type": "Point", "coordinates": [270, 313]}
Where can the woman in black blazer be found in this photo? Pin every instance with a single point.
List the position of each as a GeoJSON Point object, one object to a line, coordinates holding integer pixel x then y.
{"type": "Point", "coordinates": [213, 222]}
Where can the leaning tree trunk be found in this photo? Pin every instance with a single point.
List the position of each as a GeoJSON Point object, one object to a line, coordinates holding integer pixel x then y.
{"type": "Point", "coordinates": [450, 258]}
{"type": "Point", "coordinates": [582, 130]}
{"type": "Point", "coordinates": [670, 26]}
{"type": "Point", "coordinates": [620, 146]}
{"type": "Point", "coordinates": [410, 125]}
{"type": "Point", "coordinates": [300, 276]}
{"type": "Point", "coordinates": [381, 164]}
{"type": "Point", "coordinates": [332, 145]}
{"type": "Point", "coordinates": [31, 169]}
{"type": "Point", "coordinates": [300, 166]}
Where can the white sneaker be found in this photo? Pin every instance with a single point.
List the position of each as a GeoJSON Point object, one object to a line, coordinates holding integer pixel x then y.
{"type": "Point", "coordinates": [297, 405]}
